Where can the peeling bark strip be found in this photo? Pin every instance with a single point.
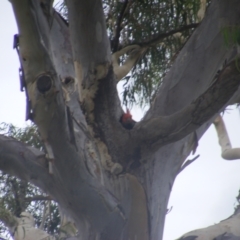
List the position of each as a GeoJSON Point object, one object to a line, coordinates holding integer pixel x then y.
{"type": "Point", "coordinates": [92, 61]}
{"type": "Point", "coordinates": [25, 162]}
{"type": "Point", "coordinates": [88, 86]}
{"type": "Point", "coordinates": [92, 52]}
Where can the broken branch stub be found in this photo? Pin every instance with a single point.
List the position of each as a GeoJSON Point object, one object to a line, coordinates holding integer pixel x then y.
{"type": "Point", "coordinates": [228, 153]}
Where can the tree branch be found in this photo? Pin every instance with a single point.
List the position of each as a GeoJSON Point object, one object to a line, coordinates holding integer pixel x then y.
{"type": "Point", "coordinates": [119, 27]}
{"type": "Point", "coordinates": [159, 37]}
{"type": "Point", "coordinates": [194, 65]}
{"type": "Point", "coordinates": [134, 53]}
{"type": "Point", "coordinates": [28, 35]}
{"type": "Point", "coordinates": [38, 198]}
{"type": "Point", "coordinates": [228, 153]}
{"type": "Point", "coordinates": [162, 130]}
{"type": "Point", "coordinates": [19, 192]}
{"type": "Point", "coordinates": [137, 50]}
{"type": "Point", "coordinates": [24, 162]}
{"type": "Point", "coordinates": [227, 229]}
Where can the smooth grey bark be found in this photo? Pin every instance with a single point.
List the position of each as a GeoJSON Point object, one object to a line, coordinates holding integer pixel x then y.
{"type": "Point", "coordinates": [114, 183]}
{"type": "Point", "coordinates": [50, 114]}
{"type": "Point", "coordinates": [192, 72]}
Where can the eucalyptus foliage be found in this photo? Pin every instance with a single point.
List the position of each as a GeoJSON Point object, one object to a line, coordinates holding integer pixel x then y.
{"type": "Point", "coordinates": [147, 23]}
{"type": "Point", "coordinates": [17, 196]}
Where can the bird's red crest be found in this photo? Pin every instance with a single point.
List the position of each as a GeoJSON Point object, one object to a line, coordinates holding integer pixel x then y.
{"type": "Point", "coordinates": [126, 116]}
{"type": "Point", "coordinates": [127, 121]}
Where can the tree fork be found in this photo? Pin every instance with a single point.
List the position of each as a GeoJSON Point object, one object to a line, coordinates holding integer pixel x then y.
{"type": "Point", "coordinates": [96, 200]}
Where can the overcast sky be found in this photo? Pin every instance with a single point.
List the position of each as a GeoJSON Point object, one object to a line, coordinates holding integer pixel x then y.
{"type": "Point", "coordinates": [203, 194]}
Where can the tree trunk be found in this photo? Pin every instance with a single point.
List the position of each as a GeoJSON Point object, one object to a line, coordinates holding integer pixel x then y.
{"type": "Point", "coordinates": [113, 182]}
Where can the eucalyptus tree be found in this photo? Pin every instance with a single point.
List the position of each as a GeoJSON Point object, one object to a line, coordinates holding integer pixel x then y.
{"type": "Point", "coordinates": [112, 182]}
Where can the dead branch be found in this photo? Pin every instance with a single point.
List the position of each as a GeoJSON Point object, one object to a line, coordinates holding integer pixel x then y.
{"type": "Point", "coordinates": [134, 54]}
{"type": "Point", "coordinates": [228, 153]}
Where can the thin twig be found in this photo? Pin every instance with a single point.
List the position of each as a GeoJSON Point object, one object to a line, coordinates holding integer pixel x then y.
{"type": "Point", "coordinates": [159, 37]}
{"type": "Point", "coordinates": [118, 27]}
{"type": "Point", "coordinates": [38, 198]}
{"type": "Point", "coordinates": [169, 210]}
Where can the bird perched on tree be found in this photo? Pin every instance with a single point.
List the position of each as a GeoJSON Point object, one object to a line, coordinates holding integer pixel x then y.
{"type": "Point", "coordinates": [127, 121]}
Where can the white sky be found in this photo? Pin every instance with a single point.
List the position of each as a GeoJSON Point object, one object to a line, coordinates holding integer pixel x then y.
{"type": "Point", "coordinates": [203, 194]}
